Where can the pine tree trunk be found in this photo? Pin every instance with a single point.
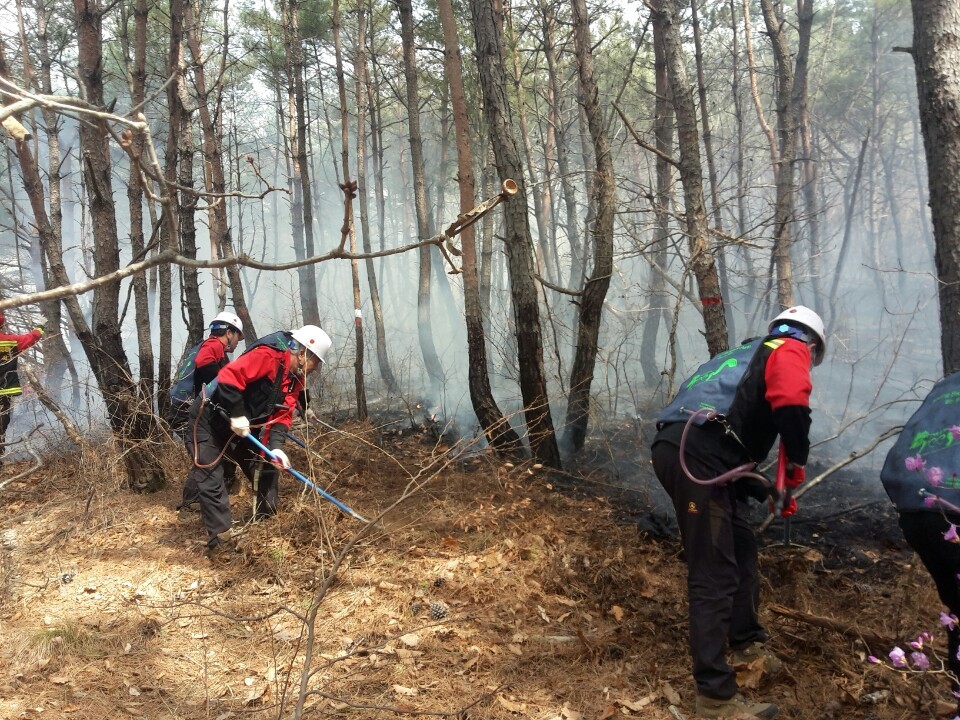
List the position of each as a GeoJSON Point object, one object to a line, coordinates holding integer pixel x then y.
{"type": "Point", "coordinates": [595, 288]}
{"type": "Point", "coordinates": [936, 54]}
{"type": "Point", "coordinates": [348, 229]}
{"type": "Point", "coordinates": [138, 75]}
{"type": "Point", "coordinates": [213, 161]}
{"type": "Point", "coordinates": [691, 177]}
{"type": "Point", "coordinates": [517, 240]}
{"type": "Point", "coordinates": [663, 132]}
{"type": "Point", "coordinates": [360, 64]}
{"type": "Point", "coordinates": [495, 427]}
{"type": "Point", "coordinates": [431, 359]}
{"type": "Point", "coordinates": [376, 280]}
{"type": "Point", "coordinates": [130, 414]}
{"type": "Point", "coordinates": [783, 209]}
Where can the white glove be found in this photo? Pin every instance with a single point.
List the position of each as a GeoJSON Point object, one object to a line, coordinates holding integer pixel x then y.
{"type": "Point", "coordinates": [240, 425]}
{"type": "Point", "coordinates": [311, 415]}
{"type": "Point", "coordinates": [282, 459]}
{"type": "Point", "coordinates": [41, 324]}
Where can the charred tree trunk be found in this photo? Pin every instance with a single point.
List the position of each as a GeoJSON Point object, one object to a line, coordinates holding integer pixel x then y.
{"type": "Point", "coordinates": [519, 247]}
{"type": "Point", "coordinates": [936, 54]}
{"type": "Point", "coordinates": [595, 288]}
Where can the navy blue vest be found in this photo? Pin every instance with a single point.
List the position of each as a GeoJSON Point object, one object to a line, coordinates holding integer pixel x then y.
{"type": "Point", "coordinates": [713, 386]}
{"type": "Point", "coordinates": [926, 455]}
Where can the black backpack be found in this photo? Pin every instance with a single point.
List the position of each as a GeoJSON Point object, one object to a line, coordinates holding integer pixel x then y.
{"type": "Point", "coordinates": [181, 390]}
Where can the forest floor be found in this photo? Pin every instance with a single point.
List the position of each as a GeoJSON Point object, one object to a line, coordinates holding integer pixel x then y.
{"type": "Point", "coordinates": [488, 591]}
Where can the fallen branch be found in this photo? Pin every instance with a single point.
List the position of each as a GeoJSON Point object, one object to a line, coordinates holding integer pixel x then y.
{"type": "Point", "coordinates": [49, 403]}
{"type": "Point", "coordinates": [855, 455]}
{"type": "Point", "coordinates": [874, 641]}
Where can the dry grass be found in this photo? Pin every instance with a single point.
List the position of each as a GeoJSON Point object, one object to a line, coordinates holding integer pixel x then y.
{"type": "Point", "coordinates": [486, 594]}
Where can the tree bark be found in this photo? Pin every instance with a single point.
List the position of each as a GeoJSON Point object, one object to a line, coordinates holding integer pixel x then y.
{"type": "Point", "coordinates": [595, 289]}
{"type": "Point", "coordinates": [348, 230]}
{"type": "Point", "coordinates": [936, 54]}
{"type": "Point", "coordinates": [431, 359]}
{"type": "Point", "coordinates": [691, 177]}
{"type": "Point", "coordinates": [495, 427]}
{"type": "Point", "coordinates": [301, 213]}
{"type": "Point", "coordinates": [131, 417]}
{"type": "Point", "coordinates": [213, 160]}
{"type": "Point", "coordinates": [663, 132]}
{"type": "Point", "coordinates": [707, 137]}
{"type": "Point", "coordinates": [783, 210]}
{"type": "Point", "coordinates": [518, 244]}
{"type": "Point", "coordinates": [138, 84]}
{"type": "Point", "coordinates": [363, 96]}
{"type": "Point", "coordinates": [56, 358]}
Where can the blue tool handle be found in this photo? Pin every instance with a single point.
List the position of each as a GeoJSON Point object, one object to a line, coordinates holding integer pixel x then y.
{"type": "Point", "coordinates": [305, 481]}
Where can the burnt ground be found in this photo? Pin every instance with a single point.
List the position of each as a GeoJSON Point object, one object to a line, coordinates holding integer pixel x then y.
{"type": "Point", "coordinates": [490, 590]}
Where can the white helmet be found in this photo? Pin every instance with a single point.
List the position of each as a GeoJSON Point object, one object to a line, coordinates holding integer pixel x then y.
{"type": "Point", "coordinates": [313, 339]}
{"type": "Point", "coordinates": [807, 319]}
{"type": "Point", "coordinates": [228, 319]}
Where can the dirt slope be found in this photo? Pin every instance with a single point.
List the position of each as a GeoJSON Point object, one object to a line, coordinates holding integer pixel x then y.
{"type": "Point", "coordinates": [490, 592]}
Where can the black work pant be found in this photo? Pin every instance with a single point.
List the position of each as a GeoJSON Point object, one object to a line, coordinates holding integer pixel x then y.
{"type": "Point", "coordinates": [723, 584]}
{"type": "Point", "coordinates": [205, 437]}
{"type": "Point", "coordinates": [924, 531]}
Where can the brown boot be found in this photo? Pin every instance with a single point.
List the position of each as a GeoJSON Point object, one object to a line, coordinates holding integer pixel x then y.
{"type": "Point", "coordinates": [756, 655]}
{"type": "Point", "coordinates": [737, 706]}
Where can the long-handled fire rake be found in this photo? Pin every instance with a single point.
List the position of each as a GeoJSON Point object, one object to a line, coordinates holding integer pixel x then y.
{"type": "Point", "coordinates": [325, 495]}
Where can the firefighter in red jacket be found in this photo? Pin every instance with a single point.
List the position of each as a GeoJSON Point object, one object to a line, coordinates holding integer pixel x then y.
{"type": "Point", "coordinates": [256, 393]}
{"type": "Point", "coordinates": [11, 346]}
{"type": "Point", "coordinates": [226, 332]}
{"type": "Point", "coordinates": [759, 391]}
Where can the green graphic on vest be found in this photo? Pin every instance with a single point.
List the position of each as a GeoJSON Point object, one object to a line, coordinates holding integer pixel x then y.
{"type": "Point", "coordinates": [712, 387]}
{"type": "Point", "coordinates": [707, 376]}
{"type": "Point", "coordinates": [926, 441]}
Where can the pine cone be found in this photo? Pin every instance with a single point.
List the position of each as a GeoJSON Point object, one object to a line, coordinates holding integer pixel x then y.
{"type": "Point", "coordinates": [438, 611]}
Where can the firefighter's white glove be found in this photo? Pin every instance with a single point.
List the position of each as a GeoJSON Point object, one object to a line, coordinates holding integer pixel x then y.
{"type": "Point", "coordinates": [282, 459]}
{"type": "Point", "coordinates": [240, 425]}
{"type": "Point", "coordinates": [311, 415]}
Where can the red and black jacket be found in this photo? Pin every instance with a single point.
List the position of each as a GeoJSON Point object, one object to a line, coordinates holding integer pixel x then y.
{"type": "Point", "coordinates": [772, 399]}
{"type": "Point", "coordinates": [259, 385]}
{"type": "Point", "coordinates": [211, 357]}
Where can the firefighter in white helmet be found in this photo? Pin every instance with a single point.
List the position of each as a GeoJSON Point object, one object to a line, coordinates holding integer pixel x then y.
{"type": "Point", "coordinates": [226, 332]}
{"type": "Point", "coordinates": [732, 410]}
{"type": "Point", "coordinates": [256, 393]}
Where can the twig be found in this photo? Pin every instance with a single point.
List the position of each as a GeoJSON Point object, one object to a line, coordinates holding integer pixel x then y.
{"type": "Point", "coordinates": [874, 641]}
{"type": "Point", "coordinates": [38, 462]}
